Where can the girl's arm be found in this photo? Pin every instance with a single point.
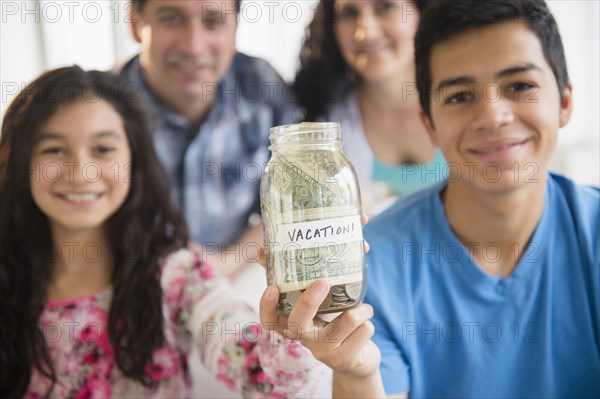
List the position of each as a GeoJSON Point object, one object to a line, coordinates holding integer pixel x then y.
{"type": "Point", "coordinates": [233, 346]}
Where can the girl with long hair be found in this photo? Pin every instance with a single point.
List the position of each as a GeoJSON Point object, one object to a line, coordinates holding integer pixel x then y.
{"type": "Point", "coordinates": [98, 296]}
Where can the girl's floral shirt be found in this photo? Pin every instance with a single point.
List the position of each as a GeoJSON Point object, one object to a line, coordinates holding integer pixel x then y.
{"type": "Point", "coordinates": [199, 309]}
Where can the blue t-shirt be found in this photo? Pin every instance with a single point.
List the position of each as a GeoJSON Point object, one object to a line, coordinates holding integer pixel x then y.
{"type": "Point", "coordinates": [446, 328]}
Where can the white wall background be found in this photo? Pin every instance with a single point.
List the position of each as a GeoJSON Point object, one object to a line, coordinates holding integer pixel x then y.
{"type": "Point", "coordinates": [36, 35]}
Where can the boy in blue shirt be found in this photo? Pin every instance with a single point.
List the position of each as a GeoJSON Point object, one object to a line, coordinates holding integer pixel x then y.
{"type": "Point", "coordinates": [488, 284]}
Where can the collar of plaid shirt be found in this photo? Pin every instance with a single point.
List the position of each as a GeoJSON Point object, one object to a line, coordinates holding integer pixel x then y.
{"type": "Point", "coordinates": [215, 173]}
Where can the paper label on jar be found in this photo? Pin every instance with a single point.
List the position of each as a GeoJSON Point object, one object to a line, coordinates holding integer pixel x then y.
{"type": "Point", "coordinates": [326, 248]}
{"type": "Point", "coordinates": [319, 233]}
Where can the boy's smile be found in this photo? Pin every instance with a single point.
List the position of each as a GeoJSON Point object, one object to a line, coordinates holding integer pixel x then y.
{"type": "Point", "coordinates": [495, 106]}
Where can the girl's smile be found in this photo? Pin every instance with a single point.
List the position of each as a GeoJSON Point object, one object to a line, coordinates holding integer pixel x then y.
{"type": "Point", "coordinates": [86, 144]}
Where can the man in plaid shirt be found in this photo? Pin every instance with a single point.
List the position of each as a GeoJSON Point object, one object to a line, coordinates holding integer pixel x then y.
{"type": "Point", "coordinates": [211, 109]}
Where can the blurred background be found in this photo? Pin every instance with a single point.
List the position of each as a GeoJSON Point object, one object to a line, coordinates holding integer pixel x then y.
{"type": "Point", "coordinates": [37, 35]}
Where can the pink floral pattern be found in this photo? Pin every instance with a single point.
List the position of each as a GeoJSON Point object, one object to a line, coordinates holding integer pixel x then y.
{"type": "Point", "coordinates": [198, 310]}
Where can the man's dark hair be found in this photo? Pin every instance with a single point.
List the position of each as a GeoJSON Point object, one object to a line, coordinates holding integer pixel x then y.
{"type": "Point", "coordinates": [139, 4]}
{"type": "Point", "coordinates": [444, 19]}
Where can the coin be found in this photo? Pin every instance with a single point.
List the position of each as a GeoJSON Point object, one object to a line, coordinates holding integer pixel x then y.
{"type": "Point", "coordinates": [353, 290]}
{"type": "Point", "coordinates": [338, 291]}
{"type": "Point", "coordinates": [293, 296]}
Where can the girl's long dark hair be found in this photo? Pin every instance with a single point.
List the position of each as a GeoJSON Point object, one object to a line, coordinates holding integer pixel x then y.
{"type": "Point", "coordinates": [324, 78]}
{"type": "Point", "coordinates": [144, 229]}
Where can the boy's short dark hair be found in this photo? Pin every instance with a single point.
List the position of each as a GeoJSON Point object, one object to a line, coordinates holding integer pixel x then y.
{"type": "Point", "coordinates": [443, 19]}
{"type": "Point", "coordinates": [139, 4]}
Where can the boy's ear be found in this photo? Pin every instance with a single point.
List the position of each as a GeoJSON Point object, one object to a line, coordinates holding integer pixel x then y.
{"type": "Point", "coordinates": [566, 105]}
{"type": "Point", "coordinates": [136, 23]}
{"type": "Point", "coordinates": [429, 127]}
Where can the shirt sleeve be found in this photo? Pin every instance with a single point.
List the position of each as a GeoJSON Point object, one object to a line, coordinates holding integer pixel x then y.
{"type": "Point", "coordinates": [231, 343]}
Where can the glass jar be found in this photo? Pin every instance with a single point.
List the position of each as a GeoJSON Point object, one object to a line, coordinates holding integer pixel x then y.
{"type": "Point", "coordinates": [311, 213]}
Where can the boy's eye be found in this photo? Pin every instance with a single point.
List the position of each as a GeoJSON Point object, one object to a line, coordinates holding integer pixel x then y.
{"type": "Point", "coordinates": [521, 86]}
{"type": "Point", "coordinates": [458, 98]}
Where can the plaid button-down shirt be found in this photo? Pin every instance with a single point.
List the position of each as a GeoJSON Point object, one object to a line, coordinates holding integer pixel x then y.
{"type": "Point", "coordinates": [215, 172]}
